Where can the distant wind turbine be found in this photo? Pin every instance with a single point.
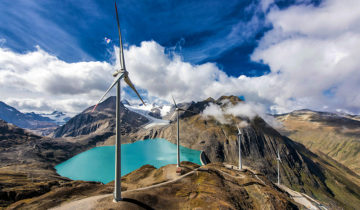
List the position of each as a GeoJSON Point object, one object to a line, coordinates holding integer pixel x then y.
{"type": "Point", "coordinates": [278, 166]}
{"type": "Point", "coordinates": [119, 74]}
{"type": "Point", "coordinates": [177, 109]}
{"type": "Point", "coordinates": [239, 139]}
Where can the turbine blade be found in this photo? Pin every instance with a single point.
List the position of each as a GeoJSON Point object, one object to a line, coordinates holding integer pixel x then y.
{"type": "Point", "coordinates": [238, 129]}
{"type": "Point", "coordinates": [172, 116]}
{"type": "Point", "coordinates": [121, 51]}
{"type": "Point", "coordinates": [128, 81]}
{"type": "Point", "coordinates": [174, 101]}
{"type": "Point", "coordinates": [278, 156]}
{"type": "Point", "coordinates": [111, 86]}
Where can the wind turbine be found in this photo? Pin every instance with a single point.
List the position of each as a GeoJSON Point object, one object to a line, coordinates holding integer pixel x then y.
{"type": "Point", "coordinates": [178, 109]}
{"type": "Point", "coordinates": [119, 74]}
{"type": "Point", "coordinates": [278, 166]}
{"type": "Point", "coordinates": [239, 139]}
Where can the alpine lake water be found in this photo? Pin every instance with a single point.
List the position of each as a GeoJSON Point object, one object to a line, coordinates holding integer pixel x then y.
{"type": "Point", "coordinates": [98, 164]}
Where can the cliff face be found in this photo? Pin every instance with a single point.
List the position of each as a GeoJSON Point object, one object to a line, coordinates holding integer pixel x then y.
{"type": "Point", "coordinates": [101, 121]}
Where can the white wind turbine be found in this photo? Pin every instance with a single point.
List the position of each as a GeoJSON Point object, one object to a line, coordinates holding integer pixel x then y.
{"type": "Point", "coordinates": [119, 74]}
{"type": "Point", "coordinates": [239, 139]}
{"type": "Point", "coordinates": [177, 109]}
{"type": "Point", "coordinates": [278, 166]}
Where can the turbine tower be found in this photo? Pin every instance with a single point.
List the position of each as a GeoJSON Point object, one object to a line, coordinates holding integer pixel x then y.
{"type": "Point", "coordinates": [239, 139]}
{"type": "Point", "coordinates": [278, 167]}
{"type": "Point", "coordinates": [178, 109]}
{"type": "Point", "coordinates": [119, 74]}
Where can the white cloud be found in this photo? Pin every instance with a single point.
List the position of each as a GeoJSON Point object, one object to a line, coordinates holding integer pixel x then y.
{"type": "Point", "coordinates": [312, 52]}
{"type": "Point", "coordinates": [214, 110]}
{"type": "Point", "coordinates": [38, 81]}
{"type": "Point", "coordinates": [243, 110]}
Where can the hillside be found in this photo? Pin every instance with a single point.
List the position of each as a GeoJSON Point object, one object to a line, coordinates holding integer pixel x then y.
{"type": "Point", "coordinates": [213, 186]}
{"type": "Point", "coordinates": [336, 136]}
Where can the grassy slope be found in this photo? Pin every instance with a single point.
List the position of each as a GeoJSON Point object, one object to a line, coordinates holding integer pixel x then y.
{"type": "Point", "coordinates": [339, 141]}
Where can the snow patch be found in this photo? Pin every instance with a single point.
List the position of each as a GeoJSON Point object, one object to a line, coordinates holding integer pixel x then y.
{"type": "Point", "coordinates": [144, 111]}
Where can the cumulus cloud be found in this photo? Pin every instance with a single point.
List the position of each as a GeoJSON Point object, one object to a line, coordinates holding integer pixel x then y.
{"type": "Point", "coordinates": [38, 81]}
{"type": "Point", "coordinates": [312, 52]}
{"type": "Point", "coordinates": [313, 55]}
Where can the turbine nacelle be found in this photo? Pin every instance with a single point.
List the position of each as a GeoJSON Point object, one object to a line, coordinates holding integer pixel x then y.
{"type": "Point", "coordinates": [117, 72]}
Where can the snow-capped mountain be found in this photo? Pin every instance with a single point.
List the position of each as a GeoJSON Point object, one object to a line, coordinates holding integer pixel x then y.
{"type": "Point", "coordinates": [58, 117]}
{"type": "Point", "coordinates": [24, 120]}
{"type": "Point", "coordinates": [41, 124]}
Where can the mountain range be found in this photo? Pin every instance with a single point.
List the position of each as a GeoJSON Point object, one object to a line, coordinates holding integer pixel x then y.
{"type": "Point", "coordinates": [316, 174]}
{"type": "Point", "coordinates": [41, 124]}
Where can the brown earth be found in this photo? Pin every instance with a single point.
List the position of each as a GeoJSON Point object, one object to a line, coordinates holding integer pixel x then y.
{"type": "Point", "coordinates": [210, 187]}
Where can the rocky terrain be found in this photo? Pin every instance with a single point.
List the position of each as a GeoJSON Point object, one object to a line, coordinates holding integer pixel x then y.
{"type": "Point", "coordinates": [337, 136]}
{"type": "Point", "coordinates": [317, 175]}
{"type": "Point", "coordinates": [27, 162]}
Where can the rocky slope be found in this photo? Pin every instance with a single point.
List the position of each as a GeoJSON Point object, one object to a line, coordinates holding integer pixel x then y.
{"type": "Point", "coordinates": [337, 136]}
{"type": "Point", "coordinates": [101, 121]}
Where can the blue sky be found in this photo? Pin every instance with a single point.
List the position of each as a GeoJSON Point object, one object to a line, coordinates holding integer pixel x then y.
{"type": "Point", "coordinates": [200, 31]}
{"type": "Point", "coordinates": [283, 54]}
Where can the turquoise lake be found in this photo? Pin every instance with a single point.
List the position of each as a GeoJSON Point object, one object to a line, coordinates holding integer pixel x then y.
{"type": "Point", "coordinates": [98, 164]}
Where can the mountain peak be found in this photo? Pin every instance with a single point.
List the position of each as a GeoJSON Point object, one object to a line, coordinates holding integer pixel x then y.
{"type": "Point", "coordinates": [232, 99]}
